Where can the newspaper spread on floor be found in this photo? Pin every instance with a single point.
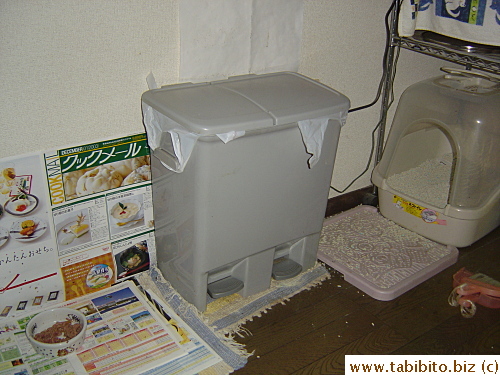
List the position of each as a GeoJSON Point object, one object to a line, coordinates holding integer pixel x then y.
{"type": "Point", "coordinates": [125, 335]}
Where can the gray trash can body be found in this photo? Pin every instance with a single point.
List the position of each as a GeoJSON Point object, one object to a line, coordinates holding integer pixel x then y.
{"type": "Point", "coordinates": [238, 209]}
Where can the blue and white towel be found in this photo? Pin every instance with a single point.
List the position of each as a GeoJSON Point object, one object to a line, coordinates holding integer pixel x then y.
{"type": "Point", "coordinates": [475, 21]}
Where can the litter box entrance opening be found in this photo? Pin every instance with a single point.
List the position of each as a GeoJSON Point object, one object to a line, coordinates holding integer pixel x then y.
{"type": "Point", "coordinates": [423, 163]}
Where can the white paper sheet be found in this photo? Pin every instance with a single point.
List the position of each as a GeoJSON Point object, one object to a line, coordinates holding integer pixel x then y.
{"type": "Point", "coordinates": [223, 38]}
{"type": "Point", "coordinates": [276, 35]}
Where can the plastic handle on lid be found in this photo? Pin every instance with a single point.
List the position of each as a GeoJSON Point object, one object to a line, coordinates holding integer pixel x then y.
{"type": "Point", "coordinates": [167, 158]}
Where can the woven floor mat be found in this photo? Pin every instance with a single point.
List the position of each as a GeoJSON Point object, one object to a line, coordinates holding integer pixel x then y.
{"type": "Point", "coordinates": [225, 316]}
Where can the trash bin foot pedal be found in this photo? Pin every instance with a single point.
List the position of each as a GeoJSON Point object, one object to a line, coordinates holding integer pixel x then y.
{"type": "Point", "coordinates": [224, 287]}
{"type": "Point", "coordinates": [285, 268]}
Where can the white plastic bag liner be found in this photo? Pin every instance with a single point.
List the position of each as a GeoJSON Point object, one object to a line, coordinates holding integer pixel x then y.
{"type": "Point", "coordinates": [157, 127]}
{"type": "Point", "coordinates": [313, 134]}
{"type": "Point", "coordinates": [229, 136]}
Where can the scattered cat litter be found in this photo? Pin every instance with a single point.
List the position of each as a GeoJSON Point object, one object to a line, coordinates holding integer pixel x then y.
{"type": "Point", "coordinates": [378, 256]}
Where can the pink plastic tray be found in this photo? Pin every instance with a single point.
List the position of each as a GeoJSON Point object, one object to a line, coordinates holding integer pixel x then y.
{"type": "Point", "coordinates": [378, 256]}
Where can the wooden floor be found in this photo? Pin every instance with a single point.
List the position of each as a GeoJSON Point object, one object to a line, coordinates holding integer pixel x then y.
{"type": "Point", "coordinates": [312, 332]}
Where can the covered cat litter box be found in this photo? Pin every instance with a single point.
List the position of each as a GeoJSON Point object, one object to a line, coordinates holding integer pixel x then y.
{"type": "Point", "coordinates": [439, 175]}
{"type": "Point", "coordinates": [241, 171]}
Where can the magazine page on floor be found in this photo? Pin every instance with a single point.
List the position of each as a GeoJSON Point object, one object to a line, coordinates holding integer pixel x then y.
{"type": "Point", "coordinates": [124, 335]}
{"type": "Point", "coordinates": [73, 221]}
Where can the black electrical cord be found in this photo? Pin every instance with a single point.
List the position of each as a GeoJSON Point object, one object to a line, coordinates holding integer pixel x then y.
{"type": "Point", "coordinates": [384, 61]}
{"type": "Point", "coordinates": [385, 72]}
{"type": "Point", "coordinates": [372, 142]}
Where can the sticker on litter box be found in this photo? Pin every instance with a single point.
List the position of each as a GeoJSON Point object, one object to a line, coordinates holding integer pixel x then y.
{"type": "Point", "coordinates": [426, 214]}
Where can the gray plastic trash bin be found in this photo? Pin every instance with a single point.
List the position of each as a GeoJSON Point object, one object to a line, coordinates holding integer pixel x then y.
{"type": "Point", "coordinates": [241, 171]}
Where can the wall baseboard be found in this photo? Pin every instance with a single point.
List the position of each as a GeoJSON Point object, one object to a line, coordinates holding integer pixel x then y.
{"type": "Point", "coordinates": [346, 201]}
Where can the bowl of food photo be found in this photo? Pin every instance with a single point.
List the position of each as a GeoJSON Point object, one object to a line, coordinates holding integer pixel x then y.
{"type": "Point", "coordinates": [28, 229]}
{"type": "Point", "coordinates": [21, 204]}
{"type": "Point", "coordinates": [57, 332]}
{"type": "Point", "coordinates": [133, 258]}
{"type": "Point", "coordinates": [126, 212]}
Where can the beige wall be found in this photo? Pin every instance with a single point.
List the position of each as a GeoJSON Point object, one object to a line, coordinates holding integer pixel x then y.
{"type": "Point", "coordinates": [343, 46]}
{"type": "Point", "coordinates": [73, 71]}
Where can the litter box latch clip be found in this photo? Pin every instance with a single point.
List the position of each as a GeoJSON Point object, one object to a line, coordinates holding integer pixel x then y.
{"type": "Point", "coordinates": [470, 289]}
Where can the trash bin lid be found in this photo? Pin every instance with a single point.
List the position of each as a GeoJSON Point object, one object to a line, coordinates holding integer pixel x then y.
{"type": "Point", "coordinates": [245, 103]}
{"type": "Point", "coordinates": [290, 97]}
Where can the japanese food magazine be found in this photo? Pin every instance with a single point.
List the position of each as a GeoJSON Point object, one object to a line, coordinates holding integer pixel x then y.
{"type": "Point", "coordinates": [73, 222]}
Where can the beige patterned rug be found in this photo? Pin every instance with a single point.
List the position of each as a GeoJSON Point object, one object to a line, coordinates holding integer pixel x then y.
{"type": "Point", "coordinates": [379, 257]}
{"type": "Point", "coordinates": [225, 316]}
{"type": "Point", "coordinates": [229, 313]}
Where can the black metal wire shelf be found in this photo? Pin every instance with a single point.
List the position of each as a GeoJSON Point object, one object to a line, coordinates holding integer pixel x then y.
{"type": "Point", "coordinates": [486, 63]}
